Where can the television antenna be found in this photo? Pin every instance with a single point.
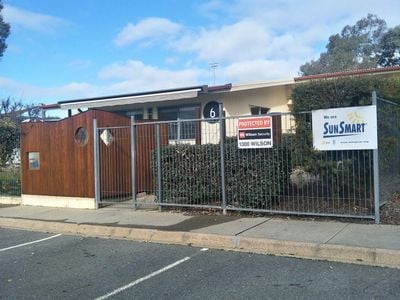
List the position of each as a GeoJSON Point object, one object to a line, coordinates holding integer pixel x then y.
{"type": "Point", "coordinates": [213, 66]}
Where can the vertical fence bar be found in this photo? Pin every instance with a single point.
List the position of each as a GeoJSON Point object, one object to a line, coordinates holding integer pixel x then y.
{"type": "Point", "coordinates": [159, 188]}
{"type": "Point", "coordinates": [96, 158]}
{"type": "Point", "coordinates": [179, 130]}
{"type": "Point", "coordinates": [222, 154]}
{"type": "Point", "coordinates": [133, 161]}
{"type": "Point", "coordinates": [376, 169]}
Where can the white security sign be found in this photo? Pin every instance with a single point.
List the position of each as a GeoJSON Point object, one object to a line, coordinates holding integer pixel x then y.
{"type": "Point", "coordinates": [349, 128]}
{"type": "Point", "coordinates": [255, 132]}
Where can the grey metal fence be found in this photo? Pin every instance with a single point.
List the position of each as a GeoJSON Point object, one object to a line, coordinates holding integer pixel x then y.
{"type": "Point", "coordinates": [197, 163]}
{"type": "Point", "coordinates": [113, 173]}
{"type": "Point", "coordinates": [10, 161]}
{"type": "Point", "coordinates": [389, 148]}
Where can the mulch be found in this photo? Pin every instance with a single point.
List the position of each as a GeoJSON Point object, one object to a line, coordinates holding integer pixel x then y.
{"type": "Point", "coordinates": [390, 212]}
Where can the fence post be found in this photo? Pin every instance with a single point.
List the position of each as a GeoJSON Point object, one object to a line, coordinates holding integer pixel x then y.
{"type": "Point", "coordinates": [159, 188]}
{"type": "Point", "coordinates": [179, 130]}
{"type": "Point", "coordinates": [96, 155]}
{"type": "Point", "coordinates": [222, 154]}
{"type": "Point", "coordinates": [133, 161]}
{"type": "Point", "coordinates": [376, 167]}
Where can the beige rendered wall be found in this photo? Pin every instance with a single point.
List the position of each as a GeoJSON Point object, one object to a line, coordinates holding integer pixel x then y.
{"type": "Point", "coordinates": [237, 103]}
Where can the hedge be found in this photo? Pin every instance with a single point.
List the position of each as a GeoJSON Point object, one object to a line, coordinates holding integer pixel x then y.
{"type": "Point", "coordinates": [191, 174]}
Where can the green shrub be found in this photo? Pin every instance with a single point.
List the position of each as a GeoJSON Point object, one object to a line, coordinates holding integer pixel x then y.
{"type": "Point", "coordinates": [191, 174]}
{"type": "Point", "coordinates": [342, 173]}
{"type": "Point", "coordinates": [10, 183]}
{"type": "Point", "coordinates": [9, 135]}
{"type": "Point", "coordinates": [255, 178]}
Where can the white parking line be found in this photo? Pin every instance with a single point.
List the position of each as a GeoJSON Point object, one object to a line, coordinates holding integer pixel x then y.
{"type": "Point", "coordinates": [121, 289]}
{"type": "Point", "coordinates": [29, 243]}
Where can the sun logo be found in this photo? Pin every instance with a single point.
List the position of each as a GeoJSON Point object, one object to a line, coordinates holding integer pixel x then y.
{"type": "Point", "coordinates": [354, 118]}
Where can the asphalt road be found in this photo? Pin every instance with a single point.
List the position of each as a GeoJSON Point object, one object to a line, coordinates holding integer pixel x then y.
{"type": "Point", "coordinates": [73, 267]}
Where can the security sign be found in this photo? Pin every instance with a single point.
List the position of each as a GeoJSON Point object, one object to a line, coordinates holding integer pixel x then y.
{"type": "Point", "coordinates": [255, 132]}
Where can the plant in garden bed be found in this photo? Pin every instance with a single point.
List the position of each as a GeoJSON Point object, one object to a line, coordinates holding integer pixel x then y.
{"type": "Point", "coordinates": [191, 174]}
{"type": "Point", "coordinates": [10, 183]}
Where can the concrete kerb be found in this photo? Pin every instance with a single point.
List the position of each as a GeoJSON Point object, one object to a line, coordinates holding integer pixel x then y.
{"type": "Point", "coordinates": [329, 252]}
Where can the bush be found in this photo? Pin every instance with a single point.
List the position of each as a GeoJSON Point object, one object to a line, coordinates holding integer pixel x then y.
{"type": "Point", "coordinates": [9, 135]}
{"type": "Point", "coordinates": [191, 174]}
{"type": "Point", "coordinates": [255, 178]}
{"type": "Point", "coordinates": [10, 183]}
{"type": "Point", "coordinates": [342, 173]}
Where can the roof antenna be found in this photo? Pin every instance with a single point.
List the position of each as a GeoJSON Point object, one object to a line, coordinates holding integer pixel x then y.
{"type": "Point", "coordinates": [213, 66]}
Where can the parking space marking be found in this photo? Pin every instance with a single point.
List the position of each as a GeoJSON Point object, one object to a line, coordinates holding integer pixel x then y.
{"type": "Point", "coordinates": [136, 282]}
{"type": "Point", "coordinates": [30, 243]}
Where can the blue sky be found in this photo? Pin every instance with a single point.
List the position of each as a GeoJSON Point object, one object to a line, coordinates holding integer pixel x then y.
{"type": "Point", "coordinates": [72, 49]}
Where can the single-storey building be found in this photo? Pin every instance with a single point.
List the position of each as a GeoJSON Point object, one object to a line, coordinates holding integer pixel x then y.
{"type": "Point", "coordinates": [58, 166]}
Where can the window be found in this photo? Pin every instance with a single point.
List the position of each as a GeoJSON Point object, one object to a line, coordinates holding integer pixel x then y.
{"type": "Point", "coordinates": [185, 130]}
{"type": "Point", "coordinates": [81, 136]}
{"type": "Point", "coordinates": [258, 110]}
{"type": "Point", "coordinates": [34, 160]}
{"type": "Point", "coordinates": [138, 114]}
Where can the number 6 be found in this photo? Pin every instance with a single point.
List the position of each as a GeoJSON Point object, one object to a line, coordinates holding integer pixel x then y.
{"type": "Point", "coordinates": [212, 113]}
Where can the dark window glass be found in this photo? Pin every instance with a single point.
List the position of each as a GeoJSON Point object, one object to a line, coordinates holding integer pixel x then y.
{"type": "Point", "coordinates": [81, 136]}
{"type": "Point", "coordinates": [185, 130]}
{"type": "Point", "coordinates": [168, 113]}
{"type": "Point", "coordinates": [258, 110]}
{"type": "Point", "coordinates": [138, 114]}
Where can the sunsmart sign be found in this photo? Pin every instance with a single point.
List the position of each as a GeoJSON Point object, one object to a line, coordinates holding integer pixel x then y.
{"type": "Point", "coordinates": [350, 128]}
{"type": "Point", "coordinates": [255, 132]}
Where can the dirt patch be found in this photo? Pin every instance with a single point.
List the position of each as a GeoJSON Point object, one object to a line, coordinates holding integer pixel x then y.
{"type": "Point", "coordinates": [390, 212]}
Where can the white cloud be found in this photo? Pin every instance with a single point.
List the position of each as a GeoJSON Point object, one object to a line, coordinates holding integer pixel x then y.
{"type": "Point", "coordinates": [32, 21]}
{"type": "Point", "coordinates": [253, 40]}
{"type": "Point", "coordinates": [147, 29]}
{"type": "Point", "coordinates": [258, 70]}
{"type": "Point", "coordinates": [294, 31]}
{"type": "Point", "coordinates": [127, 77]}
{"type": "Point", "coordinates": [38, 94]}
{"type": "Point", "coordinates": [134, 76]}
{"type": "Point", "coordinates": [240, 41]}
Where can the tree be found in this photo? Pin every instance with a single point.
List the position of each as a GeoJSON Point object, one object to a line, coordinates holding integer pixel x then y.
{"type": "Point", "coordinates": [9, 135]}
{"type": "Point", "coordinates": [4, 32]}
{"type": "Point", "coordinates": [390, 48]}
{"type": "Point", "coordinates": [12, 113]}
{"type": "Point", "coordinates": [367, 44]}
{"type": "Point", "coordinates": [17, 112]}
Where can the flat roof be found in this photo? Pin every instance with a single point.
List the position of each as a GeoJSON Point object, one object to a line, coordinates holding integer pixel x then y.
{"type": "Point", "coordinates": [260, 85]}
{"type": "Point", "coordinates": [143, 97]}
{"type": "Point", "coordinates": [194, 91]}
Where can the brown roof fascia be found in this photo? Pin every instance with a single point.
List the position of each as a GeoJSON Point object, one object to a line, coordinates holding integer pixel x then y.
{"type": "Point", "coordinates": [348, 73]}
{"type": "Point", "coordinates": [49, 106]}
{"type": "Point", "coordinates": [219, 88]}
